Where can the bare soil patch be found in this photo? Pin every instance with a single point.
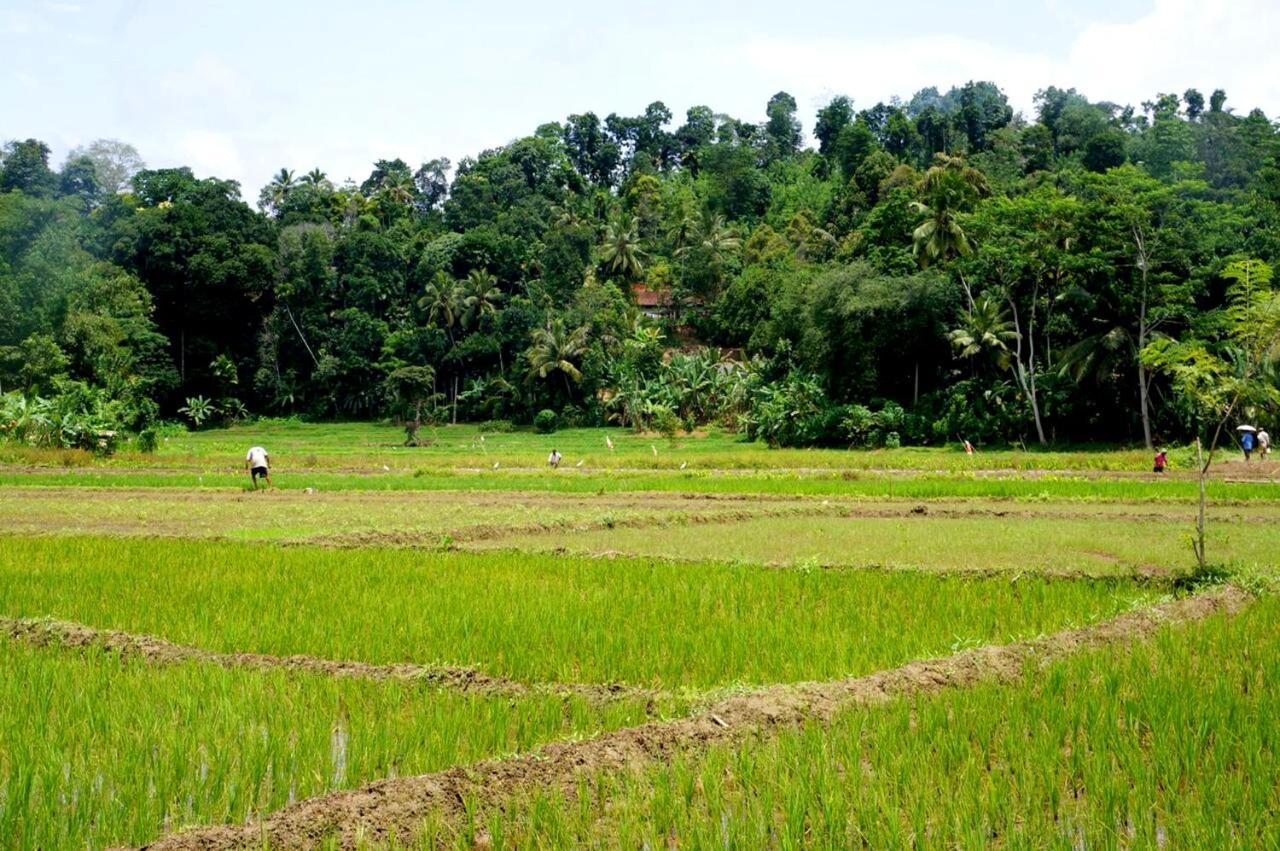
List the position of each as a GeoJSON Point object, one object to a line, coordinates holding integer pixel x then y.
{"type": "Point", "coordinates": [158, 651]}
{"type": "Point", "coordinates": [398, 806]}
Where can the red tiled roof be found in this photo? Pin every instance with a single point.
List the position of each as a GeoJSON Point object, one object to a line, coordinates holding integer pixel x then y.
{"type": "Point", "coordinates": [646, 297]}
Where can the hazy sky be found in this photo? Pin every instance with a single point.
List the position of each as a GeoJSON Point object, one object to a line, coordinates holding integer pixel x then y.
{"type": "Point", "coordinates": [239, 88]}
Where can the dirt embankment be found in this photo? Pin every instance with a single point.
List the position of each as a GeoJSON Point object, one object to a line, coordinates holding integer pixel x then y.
{"type": "Point", "coordinates": [158, 651]}
{"type": "Point", "coordinates": [398, 806]}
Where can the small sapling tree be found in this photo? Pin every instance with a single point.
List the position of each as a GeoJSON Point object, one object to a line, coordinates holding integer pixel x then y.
{"type": "Point", "coordinates": [1222, 374]}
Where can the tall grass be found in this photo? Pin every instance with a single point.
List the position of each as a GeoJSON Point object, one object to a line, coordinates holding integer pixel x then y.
{"type": "Point", "coordinates": [528, 616]}
{"type": "Point", "coordinates": [96, 751]}
{"type": "Point", "coordinates": [1171, 744]}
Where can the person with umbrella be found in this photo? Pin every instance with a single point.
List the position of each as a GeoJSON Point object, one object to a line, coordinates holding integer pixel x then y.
{"type": "Point", "coordinates": [1246, 440]}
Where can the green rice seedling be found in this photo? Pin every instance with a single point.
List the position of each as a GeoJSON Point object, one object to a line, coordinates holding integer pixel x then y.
{"type": "Point", "coordinates": [532, 617]}
{"type": "Point", "coordinates": [1096, 545]}
{"type": "Point", "coordinates": [1169, 743]}
{"type": "Point", "coordinates": [97, 751]}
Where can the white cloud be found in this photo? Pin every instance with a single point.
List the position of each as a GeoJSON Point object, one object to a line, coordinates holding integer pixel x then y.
{"type": "Point", "coordinates": [1177, 45]}
{"type": "Point", "coordinates": [211, 154]}
{"type": "Point", "coordinates": [64, 8]}
{"type": "Point", "coordinates": [1206, 44]}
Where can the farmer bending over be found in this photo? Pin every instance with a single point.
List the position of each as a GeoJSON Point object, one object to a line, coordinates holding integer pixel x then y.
{"type": "Point", "coordinates": [257, 462]}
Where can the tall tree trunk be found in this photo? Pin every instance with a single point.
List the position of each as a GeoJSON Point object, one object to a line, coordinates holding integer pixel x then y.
{"type": "Point", "coordinates": [1144, 394]}
{"type": "Point", "coordinates": [455, 399]}
{"type": "Point", "coordinates": [1027, 379]}
{"type": "Point", "coordinates": [1144, 379]}
{"type": "Point", "coordinates": [301, 336]}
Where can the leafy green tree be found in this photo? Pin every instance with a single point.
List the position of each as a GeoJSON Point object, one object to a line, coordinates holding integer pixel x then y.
{"type": "Point", "coordinates": [782, 129]}
{"type": "Point", "coordinates": [26, 169]}
{"type": "Point", "coordinates": [114, 163]}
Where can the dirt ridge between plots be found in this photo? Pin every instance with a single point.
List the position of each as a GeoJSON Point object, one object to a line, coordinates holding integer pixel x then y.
{"type": "Point", "coordinates": [398, 806]}
{"type": "Point", "coordinates": [42, 632]}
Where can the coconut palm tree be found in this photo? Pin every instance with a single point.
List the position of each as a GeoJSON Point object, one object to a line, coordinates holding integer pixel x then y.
{"type": "Point", "coordinates": [986, 331]}
{"type": "Point", "coordinates": [712, 235]}
{"type": "Point", "coordinates": [556, 350]}
{"type": "Point", "coordinates": [949, 186]}
{"type": "Point", "coordinates": [274, 193]}
{"type": "Point", "coordinates": [621, 252]}
{"type": "Point", "coordinates": [396, 189]}
{"type": "Point", "coordinates": [440, 299]}
{"type": "Point", "coordinates": [480, 296]}
{"type": "Point", "coordinates": [316, 178]}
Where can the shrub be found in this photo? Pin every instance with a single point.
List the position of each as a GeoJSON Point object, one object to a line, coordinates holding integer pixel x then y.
{"type": "Point", "coordinates": [199, 410]}
{"type": "Point", "coordinates": [545, 421]}
{"type": "Point", "coordinates": [665, 422]}
{"type": "Point", "coordinates": [497, 427]}
{"type": "Point", "coordinates": [147, 440]}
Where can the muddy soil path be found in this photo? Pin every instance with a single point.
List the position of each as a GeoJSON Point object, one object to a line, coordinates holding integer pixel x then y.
{"type": "Point", "coordinates": [158, 651]}
{"type": "Point", "coordinates": [398, 806]}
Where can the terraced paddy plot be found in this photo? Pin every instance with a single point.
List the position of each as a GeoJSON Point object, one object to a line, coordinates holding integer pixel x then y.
{"type": "Point", "coordinates": [346, 518]}
{"type": "Point", "coordinates": [97, 751]}
{"type": "Point", "coordinates": [1012, 539]}
{"type": "Point", "coordinates": [1172, 743]}
{"type": "Point", "coordinates": [533, 617]}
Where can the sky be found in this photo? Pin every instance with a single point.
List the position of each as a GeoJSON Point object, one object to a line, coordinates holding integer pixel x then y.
{"type": "Point", "coordinates": [240, 88]}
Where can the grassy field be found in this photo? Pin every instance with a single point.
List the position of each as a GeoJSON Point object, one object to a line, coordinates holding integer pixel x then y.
{"type": "Point", "coordinates": [653, 565]}
{"type": "Point", "coordinates": [367, 447]}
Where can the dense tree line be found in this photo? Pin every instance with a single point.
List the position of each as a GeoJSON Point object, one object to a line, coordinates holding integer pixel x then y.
{"type": "Point", "coordinates": [930, 270]}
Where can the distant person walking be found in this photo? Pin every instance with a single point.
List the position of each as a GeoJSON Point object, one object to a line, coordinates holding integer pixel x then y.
{"type": "Point", "coordinates": [1264, 445]}
{"type": "Point", "coordinates": [1161, 462]}
{"type": "Point", "coordinates": [553, 460]}
{"type": "Point", "coordinates": [258, 463]}
{"type": "Point", "coordinates": [1247, 443]}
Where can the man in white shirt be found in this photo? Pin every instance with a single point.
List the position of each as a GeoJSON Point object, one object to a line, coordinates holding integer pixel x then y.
{"type": "Point", "coordinates": [553, 460]}
{"type": "Point", "coordinates": [257, 462]}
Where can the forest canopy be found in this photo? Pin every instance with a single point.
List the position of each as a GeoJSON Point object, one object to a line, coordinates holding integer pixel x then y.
{"type": "Point", "coordinates": [928, 270]}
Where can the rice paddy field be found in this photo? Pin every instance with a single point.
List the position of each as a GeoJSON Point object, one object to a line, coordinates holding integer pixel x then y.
{"type": "Point", "coordinates": [681, 643]}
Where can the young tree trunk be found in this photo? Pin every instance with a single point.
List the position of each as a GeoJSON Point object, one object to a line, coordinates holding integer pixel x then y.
{"type": "Point", "coordinates": [1198, 543]}
{"type": "Point", "coordinates": [455, 400]}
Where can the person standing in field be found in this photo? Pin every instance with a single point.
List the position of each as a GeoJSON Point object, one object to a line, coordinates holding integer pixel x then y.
{"type": "Point", "coordinates": [1264, 445]}
{"type": "Point", "coordinates": [1161, 462]}
{"type": "Point", "coordinates": [1246, 443]}
{"type": "Point", "coordinates": [553, 460]}
{"type": "Point", "coordinates": [258, 462]}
